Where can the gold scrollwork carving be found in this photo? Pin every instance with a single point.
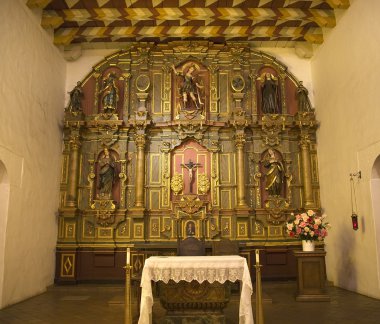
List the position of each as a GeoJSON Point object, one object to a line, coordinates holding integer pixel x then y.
{"type": "Point", "coordinates": [177, 183]}
{"type": "Point", "coordinates": [140, 140]}
{"type": "Point", "coordinates": [105, 211]}
{"type": "Point", "coordinates": [203, 184]}
{"type": "Point", "coordinates": [272, 126]}
{"type": "Point", "coordinates": [277, 207]}
{"type": "Point", "coordinates": [239, 141]}
{"type": "Point", "coordinates": [214, 98]}
{"type": "Point", "coordinates": [190, 204]}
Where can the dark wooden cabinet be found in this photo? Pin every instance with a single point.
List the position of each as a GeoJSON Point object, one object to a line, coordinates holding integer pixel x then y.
{"type": "Point", "coordinates": [311, 276]}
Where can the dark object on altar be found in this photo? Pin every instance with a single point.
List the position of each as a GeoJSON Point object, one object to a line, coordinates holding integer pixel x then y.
{"type": "Point", "coordinates": [225, 247]}
{"type": "Point", "coordinates": [191, 247]}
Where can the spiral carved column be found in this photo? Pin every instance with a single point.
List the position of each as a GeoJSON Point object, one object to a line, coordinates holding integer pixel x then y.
{"type": "Point", "coordinates": [140, 170]}
{"type": "Point", "coordinates": [306, 171]}
{"type": "Point", "coordinates": [73, 173]}
{"type": "Point", "coordinates": [239, 143]}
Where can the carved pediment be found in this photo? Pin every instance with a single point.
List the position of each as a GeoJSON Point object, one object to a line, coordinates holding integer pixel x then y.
{"type": "Point", "coordinates": [190, 204]}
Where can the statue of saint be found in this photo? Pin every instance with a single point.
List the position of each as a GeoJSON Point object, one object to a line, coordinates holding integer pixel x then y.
{"type": "Point", "coordinates": [274, 178]}
{"type": "Point", "coordinates": [189, 88]}
{"type": "Point", "coordinates": [76, 96]}
{"type": "Point", "coordinates": [304, 104]}
{"type": "Point", "coordinates": [269, 102]}
{"type": "Point", "coordinates": [106, 174]}
{"type": "Point", "coordinates": [110, 93]}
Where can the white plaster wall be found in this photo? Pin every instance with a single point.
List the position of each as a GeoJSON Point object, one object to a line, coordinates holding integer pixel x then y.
{"type": "Point", "coordinates": [4, 200]}
{"type": "Point", "coordinates": [346, 81]}
{"type": "Point", "coordinates": [31, 110]}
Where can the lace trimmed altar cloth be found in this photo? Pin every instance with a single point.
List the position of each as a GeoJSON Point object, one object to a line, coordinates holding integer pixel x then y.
{"type": "Point", "coordinates": [199, 268]}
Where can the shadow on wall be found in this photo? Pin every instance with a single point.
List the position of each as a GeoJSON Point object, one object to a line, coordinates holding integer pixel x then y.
{"type": "Point", "coordinates": [375, 198]}
{"type": "Point", "coordinates": [4, 200]}
{"type": "Point", "coordinates": [346, 266]}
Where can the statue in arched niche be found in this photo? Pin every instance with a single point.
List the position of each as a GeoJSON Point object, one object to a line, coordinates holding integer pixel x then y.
{"type": "Point", "coordinates": [107, 172]}
{"type": "Point", "coordinates": [304, 104]}
{"type": "Point", "coordinates": [269, 90]}
{"type": "Point", "coordinates": [109, 93]}
{"type": "Point", "coordinates": [275, 174]}
{"type": "Point", "coordinates": [191, 86]}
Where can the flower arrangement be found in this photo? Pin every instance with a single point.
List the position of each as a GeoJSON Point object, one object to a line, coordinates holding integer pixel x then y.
{"type": "Point", "coordinates": [308, 226]}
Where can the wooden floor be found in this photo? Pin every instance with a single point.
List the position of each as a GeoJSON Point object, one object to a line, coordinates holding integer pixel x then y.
{"type": "Point", "coordinates": [104, 304]}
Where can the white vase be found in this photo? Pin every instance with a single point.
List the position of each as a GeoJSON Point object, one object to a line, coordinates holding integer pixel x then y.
{"type": "Point", "coordinates": [308, 246]}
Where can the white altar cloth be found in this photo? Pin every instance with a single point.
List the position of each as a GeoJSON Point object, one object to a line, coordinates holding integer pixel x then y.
{"type": "Point", "coordinates": [199, 268]}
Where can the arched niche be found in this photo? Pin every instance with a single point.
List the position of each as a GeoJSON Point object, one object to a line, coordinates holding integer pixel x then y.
{"type": "Point", "coordinates": [104, 167]}
{"type": "Point", "coordinates": [191, 153]}
{"type": "Point", "coordinates": [273, 182]}
{"type": "Point", "coordinates": [4, 201]}
{"type": "Point", "coordinates": [191, 86]}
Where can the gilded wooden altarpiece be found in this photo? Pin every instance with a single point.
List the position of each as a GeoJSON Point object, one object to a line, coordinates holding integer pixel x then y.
{"type": "Point", "coordinates": [182, 139]}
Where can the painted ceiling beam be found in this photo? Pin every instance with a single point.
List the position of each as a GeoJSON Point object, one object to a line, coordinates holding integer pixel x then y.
{"type": "Point", "coordinates": [65, 36]}
{"type": "Point", "coordinates": [54, 19]}
{"type": "Point", "coordinates": [90, 4]}
{"type": "Point", "coordinates": [339, 4]}
{"type": "Point", "coordinates": [33, 4]}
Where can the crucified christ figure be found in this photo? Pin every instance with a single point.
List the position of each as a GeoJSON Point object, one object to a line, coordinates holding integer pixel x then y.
{"type": "Point", "coordinates": [191, 167]}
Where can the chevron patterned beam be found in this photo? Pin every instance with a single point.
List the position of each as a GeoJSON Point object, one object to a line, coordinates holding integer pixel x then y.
{"type": "Point", "coordinates": [87, 21]}
{"type": "Point", "coordinates": [55, 19]}
{"type": "Point", "coordinates": [65, 36]}
{"type": "Point", "coordinates": [88, 4]}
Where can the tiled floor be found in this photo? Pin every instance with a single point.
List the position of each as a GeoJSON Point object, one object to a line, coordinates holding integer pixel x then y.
{"type": "Point", "coordinates": [104, 304]}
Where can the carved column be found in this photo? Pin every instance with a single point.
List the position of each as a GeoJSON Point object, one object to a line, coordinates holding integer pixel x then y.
{"type": "Point", "coordinates": [239, 143]}
{"type": "Point", "coordinates": [96, 76]}
{"type": "Point", "coordinates": [140, 169]}
{"type": "Point", "coordinates": [165, 174]}
{"type": "Point", "coordinates": [126, 112]}
{"type": "Point", "coordinates": [214, 98]}
{"type": "Point", "coordinates": [283, 93]}
{"type": "Point", "coordinates": [306, 171]}
{"type": "Point", "coordinates": [72, 187]}
{"type": "Point", "coordinates": [253, 76]}
{"type": "Point", "coordinates": [123, 180]}
{"type": "Point", "coordinates": [166, 94]}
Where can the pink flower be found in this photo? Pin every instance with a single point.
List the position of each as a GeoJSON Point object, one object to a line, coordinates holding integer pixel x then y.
{"type": "Point", "coordinates": [307, 225]}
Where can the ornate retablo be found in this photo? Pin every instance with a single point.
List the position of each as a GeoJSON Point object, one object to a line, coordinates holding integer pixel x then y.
{"type": "Point", "coordinates": [160, 135]}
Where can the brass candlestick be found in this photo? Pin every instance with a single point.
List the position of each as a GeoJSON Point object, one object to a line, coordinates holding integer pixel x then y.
{"type": "Point", "coordinates": [259, 300]}
{"type": "Point", "coordinates": [128, 296]}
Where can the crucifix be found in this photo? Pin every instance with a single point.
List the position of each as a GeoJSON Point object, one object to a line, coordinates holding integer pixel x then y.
{"type": "Point", "coordinates": [191, 167]}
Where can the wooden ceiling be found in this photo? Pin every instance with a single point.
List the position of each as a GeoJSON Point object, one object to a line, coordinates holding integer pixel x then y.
{"type": "Point", "coordinates": [282, 22]}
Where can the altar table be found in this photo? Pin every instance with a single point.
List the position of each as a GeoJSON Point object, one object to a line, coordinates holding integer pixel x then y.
{"type": "Point", "coordinates": [199, 268]}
